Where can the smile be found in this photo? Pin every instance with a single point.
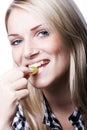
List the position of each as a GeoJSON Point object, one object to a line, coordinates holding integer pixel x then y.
{"type": "Point", "coordinates": [39, 64]}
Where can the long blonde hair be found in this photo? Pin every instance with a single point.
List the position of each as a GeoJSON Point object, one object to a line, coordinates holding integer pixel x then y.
{"type": "Point", "coordinates": [65, 17]}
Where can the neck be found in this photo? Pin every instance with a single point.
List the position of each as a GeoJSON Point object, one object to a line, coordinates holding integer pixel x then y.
{"type": "Point", "coordinates": [58, 96]}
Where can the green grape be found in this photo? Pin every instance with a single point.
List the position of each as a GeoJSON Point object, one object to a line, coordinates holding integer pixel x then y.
{"type": "Point", "coordinates": [35, 70]}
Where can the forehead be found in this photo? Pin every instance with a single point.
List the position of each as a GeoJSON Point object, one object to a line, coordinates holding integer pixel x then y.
{"type": "Point", "coordinates": [23, 18]}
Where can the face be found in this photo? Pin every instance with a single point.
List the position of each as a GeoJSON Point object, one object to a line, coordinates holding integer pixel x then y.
{"type": "Point", "coordinates": [35, 43]}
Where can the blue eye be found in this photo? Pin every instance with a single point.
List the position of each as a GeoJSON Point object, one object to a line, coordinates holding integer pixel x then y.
{"type": "Point", "coordinates": [43, 33]}
{"type": "Point", "coordinates": [16, 42]}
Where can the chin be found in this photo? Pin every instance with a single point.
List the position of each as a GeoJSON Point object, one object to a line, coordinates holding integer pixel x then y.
{"type": "Point", "coordinates": [41, 83]}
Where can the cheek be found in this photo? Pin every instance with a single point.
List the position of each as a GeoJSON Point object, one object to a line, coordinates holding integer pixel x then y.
{"type": "Point", "coordinates": [17, 56]}
{"type": "Point", "coordinates": [51, 47]}
{"type": "Point", "coordinates": [54, 48]}
{"type": "Point", "coordinates": [55, 45]}
{"type": "Point", "coordinates": [59, 47]}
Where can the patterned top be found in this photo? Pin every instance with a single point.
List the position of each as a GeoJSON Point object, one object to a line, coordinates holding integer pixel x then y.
{"type": "Point", "coordinates": [20, 123]}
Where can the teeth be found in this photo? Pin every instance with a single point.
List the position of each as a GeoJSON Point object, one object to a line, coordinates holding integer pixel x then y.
{"type": "Point", "coordinates": [38, 64]}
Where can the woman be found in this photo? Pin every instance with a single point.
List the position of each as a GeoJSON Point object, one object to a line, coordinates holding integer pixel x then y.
{"type": "Point", "coordinates": [50, 35]}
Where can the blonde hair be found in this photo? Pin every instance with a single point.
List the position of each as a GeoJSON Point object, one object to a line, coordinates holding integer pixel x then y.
{"type": "Point", "coordinates": [65, 17]}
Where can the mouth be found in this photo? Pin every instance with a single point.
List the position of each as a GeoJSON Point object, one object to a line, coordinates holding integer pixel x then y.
{"type": "Point", "coordinates": [39, 64]}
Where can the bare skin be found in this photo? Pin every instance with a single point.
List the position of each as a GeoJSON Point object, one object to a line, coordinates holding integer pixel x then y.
{"type": "Point", "coordinates": [13, 88]}
{"type": "Point", "coordinates": [61, 103]}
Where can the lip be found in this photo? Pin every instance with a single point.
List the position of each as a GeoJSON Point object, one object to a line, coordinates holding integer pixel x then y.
{"type": "Point", "coordinates": [38, 63]}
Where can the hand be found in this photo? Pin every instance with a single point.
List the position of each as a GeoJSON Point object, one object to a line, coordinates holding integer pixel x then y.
{"type": "Point", "coordinates": [13, 88]}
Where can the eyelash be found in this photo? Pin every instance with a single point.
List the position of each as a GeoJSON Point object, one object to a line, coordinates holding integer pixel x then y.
{"type": "Point", "coordinates": [43, 33]}
{"type": "Point", "coordinates": [40, 34]}
{"type": "Point", "coordinates": [16, 42]}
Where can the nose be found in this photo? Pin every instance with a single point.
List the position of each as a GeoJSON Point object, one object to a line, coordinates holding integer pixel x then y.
{"type": "Point", "coordinates": [31, 53]}
{"type": "Point", "coordinates": [30, 50]}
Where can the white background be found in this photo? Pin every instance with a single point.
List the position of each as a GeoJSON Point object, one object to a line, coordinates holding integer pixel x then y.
{"type": "Point", "coordinates": [5, 50]}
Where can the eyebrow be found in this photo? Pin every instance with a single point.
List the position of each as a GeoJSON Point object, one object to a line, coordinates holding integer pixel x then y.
{"type": "Point", "coordinates": [32, 29]}
{"type": "Point", "coordinates": [13, 35]}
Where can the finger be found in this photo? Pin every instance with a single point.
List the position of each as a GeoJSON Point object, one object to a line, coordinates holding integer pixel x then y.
{"type": "Point", "coordinates": [27, 71]}
{"type": "Point", "coordinates": [24, 69]}
{"type": "Point", "coordinates": [15, 74]}
{"type": "Point", "coordinates": [19, 84]}
{"type": "Point", "coordinates": [21, 94]}
{"type": "Point", "coordinates": [12, 75]}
